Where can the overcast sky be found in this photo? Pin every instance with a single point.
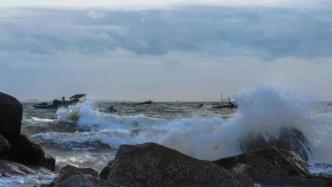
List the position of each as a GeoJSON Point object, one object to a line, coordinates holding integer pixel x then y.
{"type": "Point", "coordinates": [163, 50]}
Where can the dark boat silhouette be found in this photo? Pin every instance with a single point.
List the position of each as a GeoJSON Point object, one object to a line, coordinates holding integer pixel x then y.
{"type": "Point", "coordinates": [143, 103]}
{"type": "Point", "coordinates": [226, 104]}
{"type": "Point", "coordinates": [55, 104]}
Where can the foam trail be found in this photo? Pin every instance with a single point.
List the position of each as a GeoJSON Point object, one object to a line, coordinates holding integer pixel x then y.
{"type": "Point", "coordinates": [94, 120]}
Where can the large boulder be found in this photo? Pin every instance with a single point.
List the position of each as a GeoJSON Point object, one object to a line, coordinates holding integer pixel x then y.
{"type": "Point", "coordinates": [269, 161]}
{"type": "Point", "coordinates": [10, 116]}
{"type": "Point", "coordinates": [76, 170]}
{"type": "Point", "coordinates": [151, 164]}
{"type": "Point", "coordinates": [24, 151]}
{"type": "Point", "coordinates": [273, 167]}
{"type": "Point", "coordinates": [289, 139]}
{"type": "Point", "coordinates": [15, 146]}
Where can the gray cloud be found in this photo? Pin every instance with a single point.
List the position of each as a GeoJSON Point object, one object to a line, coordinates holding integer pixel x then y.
{"type": "Point", "coordinates": [267, 32]}
{"type": "Point", "coordinates": [161, 54]}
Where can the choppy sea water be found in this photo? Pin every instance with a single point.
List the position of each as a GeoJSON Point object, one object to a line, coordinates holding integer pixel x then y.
{"type": "Point", "coordinates": [88, 134]}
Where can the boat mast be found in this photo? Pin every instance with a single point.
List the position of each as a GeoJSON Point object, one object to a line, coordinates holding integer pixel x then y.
{"type": "Point", "coordinates": [221, 96]}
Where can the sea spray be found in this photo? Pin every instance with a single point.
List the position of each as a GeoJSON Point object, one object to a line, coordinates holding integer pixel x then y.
{"type": "Point", "coordinates": [262, 111]}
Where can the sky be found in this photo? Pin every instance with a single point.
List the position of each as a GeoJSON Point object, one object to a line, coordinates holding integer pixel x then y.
{"type": "Point", "coordinates": [163, 50]}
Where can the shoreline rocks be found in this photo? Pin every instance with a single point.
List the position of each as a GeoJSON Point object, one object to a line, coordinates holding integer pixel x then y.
{"type": "Point", "coordinates": [11, 111]}
{"type": "Point", "coordinates": [289, 139]}
{"type": "Point", "coordinates": [151, 164]}
{"type": "Point", "coordinates": [15, 146]}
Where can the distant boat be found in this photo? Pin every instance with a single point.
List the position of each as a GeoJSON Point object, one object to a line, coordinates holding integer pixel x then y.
{"type": "Point", "coordinates": [55, 104]}
{"type": "Point", "coordinates": [145, 103]}
{"type": "Point", "coordinates": [226, 103]}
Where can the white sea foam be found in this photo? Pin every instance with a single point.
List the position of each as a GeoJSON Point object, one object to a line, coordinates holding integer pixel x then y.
{"type": "Point", "coordinates": [44, 120]}
{"type": "Point", "coordinates": [26, 181]}
{"type": "Point", "coordinates": [262, 111]}
{"type": "Point", "coordinates": [95, 120]}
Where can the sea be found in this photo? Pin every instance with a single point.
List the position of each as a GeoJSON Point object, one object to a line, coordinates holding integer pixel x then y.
{"type": "Point", "coordinates": [89, 134]}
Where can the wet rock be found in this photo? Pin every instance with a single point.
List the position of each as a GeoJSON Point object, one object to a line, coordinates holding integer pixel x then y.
{"type": "Point", "coordinates": [151, 164]}
{"type": "Point", "coordinates": [79, 177]}
{"type": "Point", "coordinates": [289, 139]}
{"type": "Point", "coordinates": [243, 173]}
{"type": "Point", "coordinates": [24, 151]}
{"type": "Point", "coordinates": [106, 171]}
{"type": "Point", "coordinates": [8, 168]}
{"type": "Point", "coordinates": [5, 147]}
{"type": "Point", "coordinates": [15, 146]}
{"type": "Point", "coordinates": [269, 161]}
{"type": "Point", "coordinates": [10, 116]}
{"type": "Point", "coordinates": [48, 162]}
{"type": "Point", "coordinates": [245, 169]}
{"type": "Point", "coordinates": [76, 170]}
{"type": "Point", "coordinates": [288, 160]}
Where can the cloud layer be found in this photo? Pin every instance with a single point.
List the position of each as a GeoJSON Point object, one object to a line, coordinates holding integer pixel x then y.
{"type": "Point", "coordinates": [271, 33]}
{"type": "Point", "coordinates": [160, 4]}
{"type": "Point", "coordinates": [161, 54]}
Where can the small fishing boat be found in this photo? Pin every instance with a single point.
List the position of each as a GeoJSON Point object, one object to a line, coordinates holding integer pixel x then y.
{"type": "Point", "coordinates": [55, 104]}
{"type": "Point", "coordinates": [226, 103]}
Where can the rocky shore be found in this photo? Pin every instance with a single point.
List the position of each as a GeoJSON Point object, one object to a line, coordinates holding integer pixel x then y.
{"type": "Point", "coordinates": [18, 155]}
{"type": "Point", "coordinates": [281, 161]}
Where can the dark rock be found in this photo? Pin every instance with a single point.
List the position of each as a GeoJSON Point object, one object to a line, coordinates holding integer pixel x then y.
{"type": "Point", "coordinates": [5, 147]}
{"type": "Point", "coordinates": [243, 169]}
{"type": "Point", "coordinates": [48, 162]}
{"type": "Point", "coordinates": [258, 165]}
{"type": "Point", "coordinates": [15, 146]}
{"type": "Point", "coordinates": [10, 116]}
{"type": "Point", "coordinates": [288, 160]}
{"type": "Point", "coordinates": [24, 151]}
{"type": "Point", "coordinates": [326, 178]}
{"type": "Point", "coordinates": [289, 139]}
{"type": "Point", "coordinates": [151, 164]}
{"type": "Point", "coordinates": [269, 161]}
{"type": "Point", "coordinates": [79, 177]}
{"type": "Point", "coordinates": [244, 173]}
{"type": "Point", "coordinates": [290, 181]}
{"type": "Point", "coordinates": [8, 168]}
{"type": "Point", "coordinates": [106, 171]}
{"type": "Point", "coordinates": [77, 170]}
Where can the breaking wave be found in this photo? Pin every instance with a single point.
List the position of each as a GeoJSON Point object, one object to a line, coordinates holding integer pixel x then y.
{"type": "Point", "coordinates": [262, 111]}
